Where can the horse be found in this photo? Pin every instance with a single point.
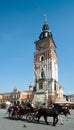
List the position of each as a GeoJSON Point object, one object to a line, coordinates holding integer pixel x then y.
{"type": "Point", "coordinates": [62, 110]}
{"type": "Point", "coordinates": [45, 112]}
{"type": "Point", "coordinates": [52, 112]}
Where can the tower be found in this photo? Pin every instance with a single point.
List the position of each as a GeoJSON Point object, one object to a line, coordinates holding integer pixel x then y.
{"type": "Point", "coordinates": [45, 66]}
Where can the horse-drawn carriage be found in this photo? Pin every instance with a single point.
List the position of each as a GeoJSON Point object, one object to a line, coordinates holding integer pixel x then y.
{"type": "Point", "coordinates": [35, 113]}
{"type": "Point", "coordinates": [17, 112]}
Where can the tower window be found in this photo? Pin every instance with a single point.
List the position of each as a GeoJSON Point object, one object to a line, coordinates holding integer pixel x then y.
{"type": "Point", "coordinates": [55, 87]}
{"type": "Point", "coordinates": [42, 58]}
{"type": "Point", "coordinates": [42, 74]}
{"type": "Point", "coordinates": [41, 85]}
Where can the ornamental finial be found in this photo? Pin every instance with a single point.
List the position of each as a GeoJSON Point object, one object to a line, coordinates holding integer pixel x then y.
{"type": "Point", "coordinates": [45, 19]}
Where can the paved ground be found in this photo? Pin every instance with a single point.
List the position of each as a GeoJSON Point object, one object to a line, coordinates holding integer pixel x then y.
{"type": "Point", "coordinates": [10, 124]}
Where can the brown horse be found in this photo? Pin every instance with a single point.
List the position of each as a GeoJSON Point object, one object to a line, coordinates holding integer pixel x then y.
{"type": "Point", "coordinates": [52, 112]}
{"type": "Point", "coordinates": [45, 112]}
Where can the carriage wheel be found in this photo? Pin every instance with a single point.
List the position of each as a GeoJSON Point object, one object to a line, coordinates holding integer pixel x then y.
{"type": "Point", "coordinates": [29, 117]}
{"type": "Point", "coordinates": [34, 117]}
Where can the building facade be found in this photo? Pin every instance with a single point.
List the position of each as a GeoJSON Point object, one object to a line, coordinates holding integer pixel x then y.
{"type": "Point", "coordinates": [16, 96]}
{"type": "Point", "coordinates": [46, 67]}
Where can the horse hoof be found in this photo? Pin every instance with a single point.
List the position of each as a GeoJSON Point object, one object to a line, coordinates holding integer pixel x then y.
{"type": "Point", "coordinates": [47, 123]}
{"type": "Point", "coordinates": [54, 124]}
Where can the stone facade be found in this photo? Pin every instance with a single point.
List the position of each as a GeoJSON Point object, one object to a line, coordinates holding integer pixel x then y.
{"type": "Point", "coordinates": [46, 68]}
{"type": "Point", "coordinates": [16, 97]}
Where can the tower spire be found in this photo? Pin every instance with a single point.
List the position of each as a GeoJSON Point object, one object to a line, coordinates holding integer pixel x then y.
{"type": "Point", "coordinates": [45, 19]}
{"type": "Point", "coordinates": [45, 30]}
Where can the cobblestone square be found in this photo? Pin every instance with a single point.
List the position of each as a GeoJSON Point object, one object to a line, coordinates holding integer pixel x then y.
{"type": "Point", "coordinates": [11, 124]}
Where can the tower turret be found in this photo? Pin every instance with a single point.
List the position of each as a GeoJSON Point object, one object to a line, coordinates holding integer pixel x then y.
{"type": "Point", "coordinates": [45, 31]}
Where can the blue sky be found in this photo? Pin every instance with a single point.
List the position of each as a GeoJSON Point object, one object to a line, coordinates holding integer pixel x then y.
{"type": "Point", "coordinates": [21, 23]}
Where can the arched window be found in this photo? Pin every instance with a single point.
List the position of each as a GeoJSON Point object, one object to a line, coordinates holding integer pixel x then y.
{"type": "Point", "coordinates": [42, 74]}
{"type": "Point", "coordinates": [42, 58]}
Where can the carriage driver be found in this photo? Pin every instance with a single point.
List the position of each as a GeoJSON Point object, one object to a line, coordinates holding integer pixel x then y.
{"type": "Point", "coordinates": [30, 105]}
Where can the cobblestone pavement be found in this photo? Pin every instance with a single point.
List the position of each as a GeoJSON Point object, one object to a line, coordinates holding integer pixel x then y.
{"type": "Point", "coordinates": [11, 124]}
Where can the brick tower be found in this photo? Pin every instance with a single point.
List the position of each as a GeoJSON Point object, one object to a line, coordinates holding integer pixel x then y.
{"type": "Point", "coordinates": [45, 67]}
